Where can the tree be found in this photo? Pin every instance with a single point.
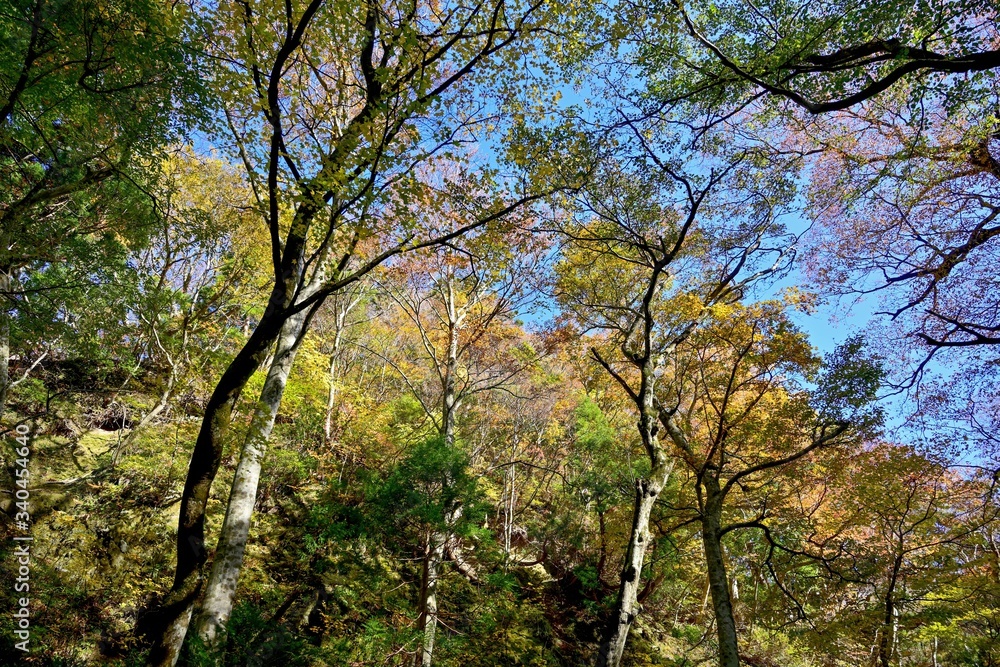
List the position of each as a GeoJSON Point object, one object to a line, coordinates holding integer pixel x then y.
{"type": "Point", "coordinates": [197, 277]}
{"type": "Point", "coordinates": [421, 496]}
{"type": "Point", "coordinates": [740, 420]}
{"type": "Point", "coordinates": [343, 305]}
{"type": "Point", "coordinates": [640, 270]}
{"type": "Point", "coordinates": [907, 105]}
{"type": "Point", "coordinates": [84, 113]}
{"type": "Point", "coordinates": [900, 533]}
{"type": "Point", "coordinates": [907, 215]}
{"type": "Point", "coordinates": [330, 122]}
{"type": "Point", "coordinates": [460, 300]}
{"type": "Point", "coordinates": [900, 111]}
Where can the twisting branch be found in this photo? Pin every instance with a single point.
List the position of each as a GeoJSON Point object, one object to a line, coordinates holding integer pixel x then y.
{"type": "Point", "coordinates": [912, 60]}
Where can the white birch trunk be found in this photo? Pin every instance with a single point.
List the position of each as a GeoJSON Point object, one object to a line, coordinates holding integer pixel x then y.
{"type": "Point", "coordinates": [331, 396]}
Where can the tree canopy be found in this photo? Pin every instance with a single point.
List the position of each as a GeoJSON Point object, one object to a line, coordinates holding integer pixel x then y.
{"type": "Point", "coordinates": [511, 332]}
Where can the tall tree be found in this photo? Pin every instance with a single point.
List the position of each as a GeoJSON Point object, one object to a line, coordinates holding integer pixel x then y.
{"type": "Point", "coordinates": [640, 269]}
{"type": "Point", "coordinates": [906, 105]}
{"type": "Point", "coordinates": [460, 301]}
{"type": "Point", "coordinates": [330, 108]}
{"type": "Point", "coordinates": [908, 92]}
{"type": "Point", "coordinates": [740, 420]}
{"type": "Point", "coordinates": [907, 216]}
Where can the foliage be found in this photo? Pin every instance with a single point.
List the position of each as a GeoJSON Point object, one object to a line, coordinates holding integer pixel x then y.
{"type": "Point", "coordinates": [560, 265]}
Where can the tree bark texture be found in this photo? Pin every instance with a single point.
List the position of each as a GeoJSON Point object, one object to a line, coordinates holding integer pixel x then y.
{"type": "Point", "coordinates": [718, 582]}
{"type": "Point", "coordinates": [627, 607]}
{"type": "Point", "coordinates": [220, 590]}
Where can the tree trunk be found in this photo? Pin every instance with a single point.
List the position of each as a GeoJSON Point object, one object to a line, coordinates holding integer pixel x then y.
{"type": "Point", "coordinates": [166, 626]}
{"type": "Point", "coordinates": [887, 643]}
{"type": "Point", "coordinates": [433, 557]}
{"type": "Point", "coordinates": [711, 532]}
{"type": "Point", "coordinates": [627, 607]}
{"type": "Point", "coordinates": [438, 540]}
{"type": "Point", "coordinates": [331, 396]}
{"type": "Point", "coordinates": [429, 608]}
{"type": "Point", "coordinates": [646, 493]}
{"type": "Point", "coordinates": [450, 399]}
{"type": "Point", "coordinates": [219, 592]}
{"type": "Point", "coordinates": [342, 308]}
{"type": "Point", "coordinates": [888, 638]}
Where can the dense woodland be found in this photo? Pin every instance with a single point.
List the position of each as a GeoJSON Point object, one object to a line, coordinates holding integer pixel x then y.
{"type": "Point", "coordinates": [501, 332]}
